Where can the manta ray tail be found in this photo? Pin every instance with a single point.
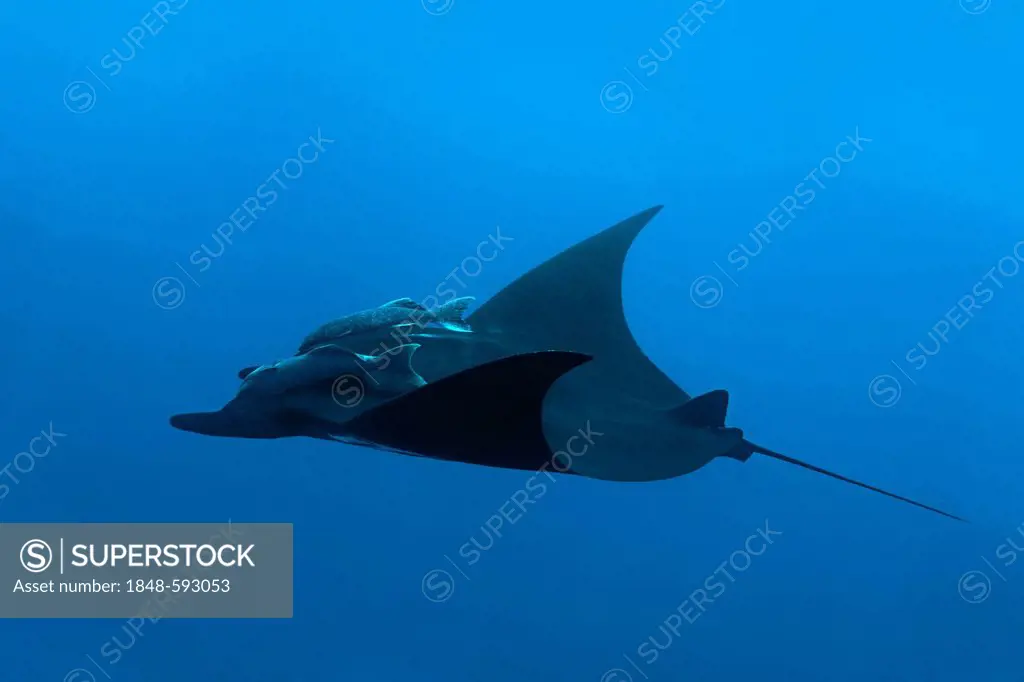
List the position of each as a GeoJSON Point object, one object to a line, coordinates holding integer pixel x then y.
{"type": "Point", "coordinates": [747, 449]}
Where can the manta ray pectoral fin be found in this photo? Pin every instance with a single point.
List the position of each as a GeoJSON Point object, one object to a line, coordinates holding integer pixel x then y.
{"type": "Point", "coordinates": [747, 449]}
{"type": "Point", "coordinates": [704, 411]}
{"type": "Point", "coordinates": [490, 415]}
{"type": "Point", "coordinates": [573, 301]}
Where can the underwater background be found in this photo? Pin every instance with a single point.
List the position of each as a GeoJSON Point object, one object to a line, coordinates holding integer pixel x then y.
{"type": "Point", "coordinates": [132, 131]}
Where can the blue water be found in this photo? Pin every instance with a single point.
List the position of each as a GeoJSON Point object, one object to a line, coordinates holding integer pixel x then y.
{"type": "Point", "coordinates": [438, 125]}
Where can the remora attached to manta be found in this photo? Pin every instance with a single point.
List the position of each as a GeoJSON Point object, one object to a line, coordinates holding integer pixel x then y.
{"type": "Point", "coordinates": [548, 354]}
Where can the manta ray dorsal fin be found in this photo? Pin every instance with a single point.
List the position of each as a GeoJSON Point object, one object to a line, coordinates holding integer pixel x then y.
{"type": "Point", "coordinates": [243, 373]}
{"type": "Point", "coordinates": [704, 411]}
{"type": "Point", "coordinates": [573, 302]}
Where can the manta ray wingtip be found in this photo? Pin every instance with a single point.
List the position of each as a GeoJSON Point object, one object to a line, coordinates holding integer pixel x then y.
{"type": "Point", "coordinates": [650, 212]}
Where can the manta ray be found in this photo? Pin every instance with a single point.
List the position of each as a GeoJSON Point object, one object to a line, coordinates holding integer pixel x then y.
{"type": "Point", "coordinates": [548, 361]}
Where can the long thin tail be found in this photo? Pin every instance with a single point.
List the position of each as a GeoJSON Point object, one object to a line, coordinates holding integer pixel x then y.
{"type": "Point", "coordinates": [751, 448]}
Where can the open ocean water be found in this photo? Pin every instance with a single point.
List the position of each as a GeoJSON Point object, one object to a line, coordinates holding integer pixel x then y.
{"type": "Point", "coordinates": [841, 248]}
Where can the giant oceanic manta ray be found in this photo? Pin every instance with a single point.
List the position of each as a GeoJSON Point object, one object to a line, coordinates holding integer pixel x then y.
{"type": "Point", "coordinates": [553, 351]}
